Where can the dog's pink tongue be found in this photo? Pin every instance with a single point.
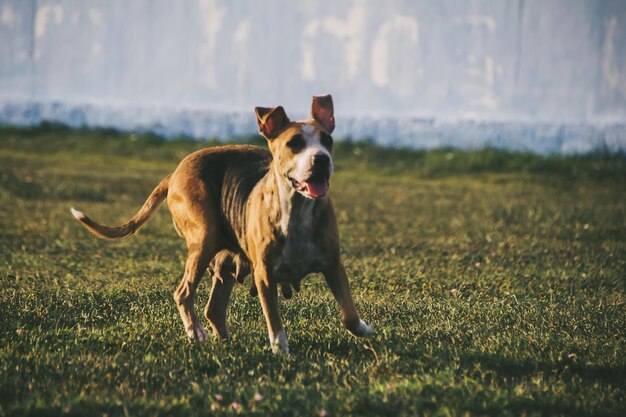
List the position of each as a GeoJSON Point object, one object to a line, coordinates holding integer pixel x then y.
{"type": "Point", "coordinates": [317, 188]}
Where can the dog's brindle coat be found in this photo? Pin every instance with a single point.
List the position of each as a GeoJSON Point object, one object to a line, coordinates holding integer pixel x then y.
{"type": "Point", "coordinates": [242, 208]}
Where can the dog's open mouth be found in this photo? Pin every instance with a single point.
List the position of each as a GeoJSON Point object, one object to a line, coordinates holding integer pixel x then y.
{"type": "Point", "coordinates": [314, 187]}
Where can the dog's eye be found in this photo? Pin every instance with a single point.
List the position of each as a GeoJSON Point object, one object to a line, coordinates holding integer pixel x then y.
{"type": "Point", "coordinates": [296, 143]}
{"type": "Point", "coordinates": [327, 140]}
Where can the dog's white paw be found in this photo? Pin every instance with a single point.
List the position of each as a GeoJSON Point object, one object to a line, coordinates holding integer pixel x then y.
{"type": "Point", "coordinates": [197, 332]}
{"type": "Point", "coordinates": [279, 343]}
{"type": "Point", "coordinates": [363, 329]}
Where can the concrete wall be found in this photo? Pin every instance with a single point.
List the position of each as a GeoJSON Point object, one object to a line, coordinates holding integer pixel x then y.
{"type": "Point", "coordinates": [521, 60]}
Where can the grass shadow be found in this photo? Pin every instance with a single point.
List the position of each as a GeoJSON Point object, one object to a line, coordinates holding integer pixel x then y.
{"type": "Point", "coordinates": [564, 368]}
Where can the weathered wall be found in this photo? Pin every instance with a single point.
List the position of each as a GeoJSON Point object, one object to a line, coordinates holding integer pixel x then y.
{"type": "Point", "coordinates": [549, 60]}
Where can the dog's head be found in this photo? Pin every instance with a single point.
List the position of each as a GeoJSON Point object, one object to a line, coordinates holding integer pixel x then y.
{"type": "Point", "coordinates": [301, 150]}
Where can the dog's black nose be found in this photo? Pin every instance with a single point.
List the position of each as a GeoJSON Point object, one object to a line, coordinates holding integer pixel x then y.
{"type": "Point", "coordinates": [321, 162]}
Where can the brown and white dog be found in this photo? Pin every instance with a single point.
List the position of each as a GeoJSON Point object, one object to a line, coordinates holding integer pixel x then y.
{"type": "Point", "coordinates": [241, 208]}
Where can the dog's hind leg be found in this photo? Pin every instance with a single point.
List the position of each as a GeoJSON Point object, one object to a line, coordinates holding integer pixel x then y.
{"type": "Point", "coordinates": [194, 211]}
{"type": "Point", "coordinates": [225, 268]}
{"type": "Point", "coordinates": [215, 311]}
{"type": "Point", "coordinates": [197, 262]}
{"type": "Point", "coordinates": [202, 245]}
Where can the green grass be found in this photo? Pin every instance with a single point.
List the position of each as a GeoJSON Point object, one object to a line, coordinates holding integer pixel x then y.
{"type": "Point", "coordinates": [495, 281]}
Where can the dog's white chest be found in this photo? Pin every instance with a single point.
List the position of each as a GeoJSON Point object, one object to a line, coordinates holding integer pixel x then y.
{"type": "Point", "coordinates": [299, 254]}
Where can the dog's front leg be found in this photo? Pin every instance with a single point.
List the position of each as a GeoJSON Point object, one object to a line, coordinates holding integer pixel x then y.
{"type": "Point", "coordinates": [337, 281]}
{"type": "Point", "coordinates": [268, 294]}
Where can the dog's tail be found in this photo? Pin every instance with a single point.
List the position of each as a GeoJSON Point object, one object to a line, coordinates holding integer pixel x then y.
{"type": "Point", "coordinates": [152, 203]}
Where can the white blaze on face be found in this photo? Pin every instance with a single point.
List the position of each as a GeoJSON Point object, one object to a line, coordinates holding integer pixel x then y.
{"type": "Point", "coordinates": [304, 159]}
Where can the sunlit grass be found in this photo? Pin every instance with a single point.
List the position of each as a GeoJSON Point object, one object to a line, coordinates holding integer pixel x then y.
{"type": "Point", "coordinates": [495, 281]}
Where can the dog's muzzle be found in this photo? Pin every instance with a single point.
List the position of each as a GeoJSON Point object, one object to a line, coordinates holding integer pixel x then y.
{"type": "Point", "coordinates": [316, 185]}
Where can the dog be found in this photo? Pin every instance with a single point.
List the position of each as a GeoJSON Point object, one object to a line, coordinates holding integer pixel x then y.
{"type": "Point", "coordinates": [242, 209]}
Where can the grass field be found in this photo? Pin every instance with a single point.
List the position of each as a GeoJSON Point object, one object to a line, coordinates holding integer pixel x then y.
{"type": "Point", "coordinates": [496, 283]}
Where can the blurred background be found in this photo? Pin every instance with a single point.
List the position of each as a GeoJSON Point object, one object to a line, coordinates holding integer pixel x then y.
{"type": "Point", "coordinates": [545, 76]}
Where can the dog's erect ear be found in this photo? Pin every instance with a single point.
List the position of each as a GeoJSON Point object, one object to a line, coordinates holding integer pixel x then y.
{"type": "Point", "coordinates": [323, 111]}
{"type": "Point", "coordinates": [271, 120]}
